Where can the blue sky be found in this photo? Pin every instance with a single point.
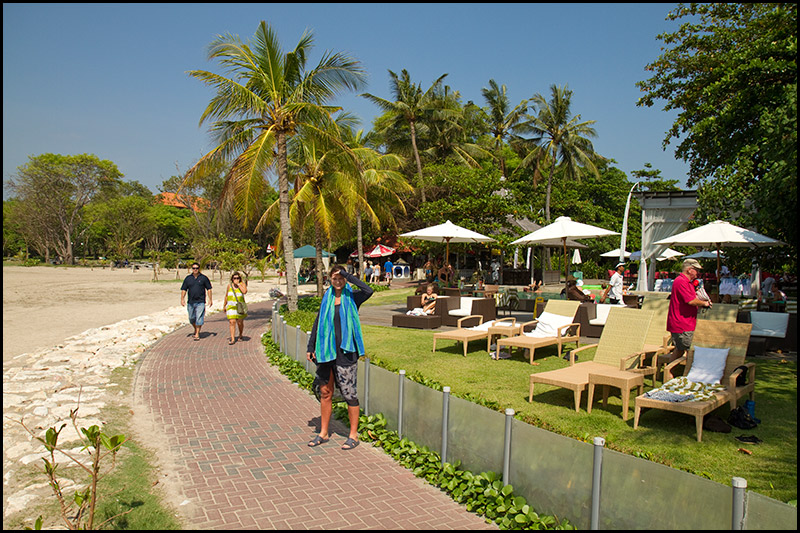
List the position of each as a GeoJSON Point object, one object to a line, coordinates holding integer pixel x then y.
{"type": "Point", "coordinates": [111, 80]}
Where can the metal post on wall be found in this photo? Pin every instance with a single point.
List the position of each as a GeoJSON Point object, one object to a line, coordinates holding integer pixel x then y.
{"type": "Point", "coordinates": [507, 446]}
{"type": "Point", "coordinates": [401, 381]}
{"type": "Point", "coordinates": [597, 470]}
{"type": "Point", "coordinates": [737, 519]}
{"type": "Point", "coordinates": [297, 344]}
{"type": "Point", "coordinates": [445, 416]}
{"type": "Point", "coordinates": [366, 386]}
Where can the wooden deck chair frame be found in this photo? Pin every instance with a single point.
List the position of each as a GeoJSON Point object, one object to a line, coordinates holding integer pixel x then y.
{"type": "Point", "coordinates": [619, 348]}
{"type": "Point", "coordinates": [464, 335]}
{"type": "Point", "coordinates": [711, 334]}
{"type": "Point", "coordinates": [572, 331]}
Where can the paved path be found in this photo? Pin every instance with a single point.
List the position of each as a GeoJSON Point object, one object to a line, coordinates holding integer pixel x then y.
{"type": "Point", "coordinates": [236, 432]}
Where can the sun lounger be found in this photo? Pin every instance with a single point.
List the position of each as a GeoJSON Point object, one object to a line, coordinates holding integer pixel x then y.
{"type": "Point", "coordinates": [555, 326]}
{"type": "Point", "coordinates": [465, 335]}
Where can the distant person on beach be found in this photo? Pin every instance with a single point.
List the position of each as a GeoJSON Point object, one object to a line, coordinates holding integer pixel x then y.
{"type": "Point", "coordinates": [614, 290]}
{"type": "Point", "coordinates": [335, 344]}
{"type": "Point", "coordinates": [388, 266]}
{"type": "Point", "coordinates": [196, 285]}
{"type": "Point", "coordinates": [235, 306]}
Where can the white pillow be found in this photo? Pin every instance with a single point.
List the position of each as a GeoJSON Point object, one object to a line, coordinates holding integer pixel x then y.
{"type": "Point", "coordinates": [549, 324]}
{"type": "Point", "coordinates": [708, 365]}
{"type": "Point", "coordinates": [486, 325]}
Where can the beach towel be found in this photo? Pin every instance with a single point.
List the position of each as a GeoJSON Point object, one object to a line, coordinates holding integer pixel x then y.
{"type": "Point", "coordinates": [352, 338]}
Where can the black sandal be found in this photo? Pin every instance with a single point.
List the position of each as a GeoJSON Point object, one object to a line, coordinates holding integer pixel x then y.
{"type": "Point", "coordinates": [350, 444]}
{"type": "Point", "coordinates": [316, 441]}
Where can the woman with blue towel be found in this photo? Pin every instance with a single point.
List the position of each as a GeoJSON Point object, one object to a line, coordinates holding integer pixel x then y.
{"type": "Point", "coordinates": [335, 344]}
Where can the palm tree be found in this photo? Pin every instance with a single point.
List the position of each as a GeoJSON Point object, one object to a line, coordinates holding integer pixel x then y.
{"type": "Point", "coordinates": [563, 137]}
{"type": "Point", "coordinates": [503, 120]}
{"type": "Point", "coordinates": [380, 185]}
{"type": "Point", "coordinates": [410, 105]}
{"type": "Point", "coordinates": [269, 95]}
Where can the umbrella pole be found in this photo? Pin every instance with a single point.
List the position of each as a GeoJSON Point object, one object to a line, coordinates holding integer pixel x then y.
{"type": "Point", "coordinates": [566, 266]}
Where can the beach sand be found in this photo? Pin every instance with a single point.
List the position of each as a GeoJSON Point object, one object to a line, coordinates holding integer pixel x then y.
{"type": "Point", "coordinates": [42, 306]}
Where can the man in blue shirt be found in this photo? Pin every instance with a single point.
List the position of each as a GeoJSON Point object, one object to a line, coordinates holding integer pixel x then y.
{"type": "Point", "coordinates": [388, 267]}
{"type": "Point", "coordinates": [196, 284]}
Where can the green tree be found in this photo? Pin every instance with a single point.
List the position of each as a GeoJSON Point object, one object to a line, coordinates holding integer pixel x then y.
{"type": "Point", "coordinates": [255, 111]}
{"type": "Point", "coordinates": [410, 106]}
{"type": "Point", "coordinates": [53, 190]}
{"type": "Point", "coordinates": [730, 71]}
{"type": "Point", "coordinates": [503, 120]}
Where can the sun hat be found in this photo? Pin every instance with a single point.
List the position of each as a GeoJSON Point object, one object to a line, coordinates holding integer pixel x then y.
{"type": "Point", "coordinates": [619, 265]}
{"type": "Point", "coordinates": [694, 263]}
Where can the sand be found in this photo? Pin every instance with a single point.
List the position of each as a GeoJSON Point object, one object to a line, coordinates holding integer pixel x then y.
{"type": "Point", "coordinates": [42, 306]}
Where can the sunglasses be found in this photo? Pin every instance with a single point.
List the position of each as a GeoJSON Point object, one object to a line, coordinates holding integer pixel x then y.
{"type": "Point", "coordinates": [236, 277]}
{"type": "Point", "coordinates": [195, 268]}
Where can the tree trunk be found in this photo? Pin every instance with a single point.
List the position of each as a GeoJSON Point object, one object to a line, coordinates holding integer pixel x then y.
{"type": "Point", "coordinates": [360, 235]}
{"type": "Point", "coordinates": [286, 230]}
{"type": "Point", "coordinates": [320, 265]}
{"type": "Point", "coordinates": [417, 159]}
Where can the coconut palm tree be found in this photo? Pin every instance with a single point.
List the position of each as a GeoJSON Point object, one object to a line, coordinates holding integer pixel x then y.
{"type": "Point", "coordinates": [410, 106]}
{"type": "Point", "coordinates": [258, 109]}
{"type": "Point", "coordinates": [503, 121]}
{"type": "Point", "coordinates": [563, 137]}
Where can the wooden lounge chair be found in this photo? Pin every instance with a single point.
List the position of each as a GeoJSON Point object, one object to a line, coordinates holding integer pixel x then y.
{"type": "Point", "coordinates": [618, 351]}
{"type": "Point", "coordinates": [710, 334]}
{"type": "Point", "coordinates": [658, 340]}
{"type": "Point", "coordinates": [465, 335]}
{"type": "Point", "coordinates": [567, 333]}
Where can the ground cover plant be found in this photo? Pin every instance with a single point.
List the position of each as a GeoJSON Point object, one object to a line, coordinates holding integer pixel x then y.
{"type": "Point", "coordinates": [664, 437]}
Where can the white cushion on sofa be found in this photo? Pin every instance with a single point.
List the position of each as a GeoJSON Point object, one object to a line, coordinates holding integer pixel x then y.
{"type": "Point", "coordinates": [465, 308]}
{"type": "Point", "coordinates": [769, 324]}
{"type": "Point", "coordinates": [602, 314]}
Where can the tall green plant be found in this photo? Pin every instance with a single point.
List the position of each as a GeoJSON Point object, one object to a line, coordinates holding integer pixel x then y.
{"type": "Point", "coordinates": [256, 111]}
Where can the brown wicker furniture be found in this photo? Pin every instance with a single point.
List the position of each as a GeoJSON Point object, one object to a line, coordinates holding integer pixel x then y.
{"type": "Point", "coordinates": [417, 322]}
{"type": "Point", "coordinates": [504, 327]}
{"type": "Point", "coordinates": [620, 348]}
{"type": "Point", "coordinates": [566, 308]}
{"type": "Point", "coordinates": [710, 334]}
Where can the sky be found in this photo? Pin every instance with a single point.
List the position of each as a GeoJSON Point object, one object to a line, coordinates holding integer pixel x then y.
{"type": "Point", "coordinates": [111, 79]}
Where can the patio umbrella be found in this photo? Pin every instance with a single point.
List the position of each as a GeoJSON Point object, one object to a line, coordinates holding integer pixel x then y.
{"type": "Point", "coordinates": [379, 251]}
{"type": "Point", "coordinates": [705, 254]}
{"type": "Point", "coordinates": [720, 233]}
{"type": "Point", "coordinates": [564, 228]}
{"type": "Point", "coordinates": [669, 253]}
{"type": "Point", "coordinates": [446, 233]}
{"type": "Point", "coordinates": [615, 253]}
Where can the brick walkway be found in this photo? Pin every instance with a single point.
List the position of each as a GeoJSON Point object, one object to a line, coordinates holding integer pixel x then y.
{"type": "Point", "coordinates": [237, 431]}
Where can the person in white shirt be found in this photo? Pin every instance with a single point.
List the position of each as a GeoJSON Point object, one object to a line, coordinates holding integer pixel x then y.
{"type": "Point", "coordinates": [614, 290]}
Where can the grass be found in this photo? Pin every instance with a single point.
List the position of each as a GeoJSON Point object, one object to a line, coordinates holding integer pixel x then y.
{"type": "Point", "coordinates": [664, 437]}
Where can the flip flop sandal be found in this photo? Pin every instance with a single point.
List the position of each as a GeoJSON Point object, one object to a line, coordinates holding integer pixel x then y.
{"type": "Point", "coordinates": [317, 441]}
{"type": "Point", "coordinates": [195, 338]}
{"type": "Point", "coordinates": [231, 342]}
{"type": "Point", "coordinates": [749, 438]}
{"type": "Point", "coordinates": [349, 444]}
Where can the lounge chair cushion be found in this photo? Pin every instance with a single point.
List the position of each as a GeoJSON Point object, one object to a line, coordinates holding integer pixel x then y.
{"type": "Point", "coordinates": [769, 324]}
{"type": "Point", "coordinates": [681, 389]}
{"type": "Point", "coordinates": [708, 365]}
{"type": "Point", "coordinates": [486, 325]}
{"type": "Point", "coordinates": [549, 324]}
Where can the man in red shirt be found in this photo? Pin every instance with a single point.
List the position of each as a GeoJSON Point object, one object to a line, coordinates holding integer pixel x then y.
{"type": "Point", "coordinates": [683, 304]}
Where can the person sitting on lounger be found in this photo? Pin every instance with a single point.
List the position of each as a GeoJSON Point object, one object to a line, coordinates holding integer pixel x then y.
{"type": "Point", "coordinates": [429, 300]}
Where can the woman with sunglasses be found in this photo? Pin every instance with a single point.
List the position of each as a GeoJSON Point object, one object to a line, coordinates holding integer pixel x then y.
{"type": "Point", "coordinates": [235, 306]}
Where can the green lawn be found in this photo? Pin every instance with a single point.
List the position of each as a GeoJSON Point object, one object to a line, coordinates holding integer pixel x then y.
{"type": "Point", "coordinates": [664, 437]}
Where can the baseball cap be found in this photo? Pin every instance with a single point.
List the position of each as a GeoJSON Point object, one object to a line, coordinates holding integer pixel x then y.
{"type": "Point", "coordinates": [694, 263]}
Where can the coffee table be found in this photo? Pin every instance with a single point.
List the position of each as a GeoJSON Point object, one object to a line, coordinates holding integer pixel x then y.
{"type": "Point", "coordinates": [418, 322]}
{"type": "Point", "coordinates": [621, 379]}
{"type": "Point", "coordinates": [508, 330]}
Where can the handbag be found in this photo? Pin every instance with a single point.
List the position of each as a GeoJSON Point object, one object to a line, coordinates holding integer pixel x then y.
{"type": "Point", "coordinates": [241, 305]}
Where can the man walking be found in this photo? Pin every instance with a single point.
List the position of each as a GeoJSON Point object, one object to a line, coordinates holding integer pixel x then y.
{"type": "Point", "coordinates": [196, 284]}
{"type": "Point", "coordinates": [615, 285]}
{"type": "Point", "coordinates": [683, 305]}
{"type": "Point", "coordinates": [388, 268]}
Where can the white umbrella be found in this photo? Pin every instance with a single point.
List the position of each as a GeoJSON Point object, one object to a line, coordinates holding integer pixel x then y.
{"type": "Point", "coordinates": [669, 253]}
{"type": "Point", "coordinates": [615, 253]}
{"type": "Point", "coordinates": [564, 228]}
{"type": "Point", "coordinates": [705, 254]}
{"type": "Point", "coordinates": [447, 233]}
{"type": "Point", "coordinates": [576, 257]}
{"type": "Point", "coordinates": [720, 233]}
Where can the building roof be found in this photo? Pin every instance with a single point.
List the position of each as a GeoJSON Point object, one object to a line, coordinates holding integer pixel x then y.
{"type": "Point", "coordinates": [174, 200]}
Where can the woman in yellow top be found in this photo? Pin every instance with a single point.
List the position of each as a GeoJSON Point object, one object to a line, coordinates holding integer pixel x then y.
{"type": "Point", "coordinates": [235, 292]}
